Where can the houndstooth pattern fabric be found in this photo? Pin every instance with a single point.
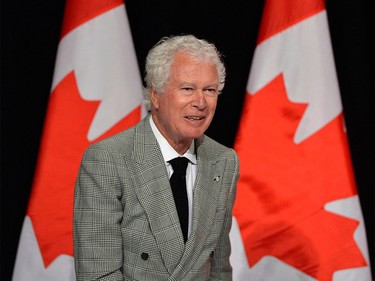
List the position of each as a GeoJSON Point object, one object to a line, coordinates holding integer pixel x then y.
{"type": "Point", "coordinates": [126, 225]}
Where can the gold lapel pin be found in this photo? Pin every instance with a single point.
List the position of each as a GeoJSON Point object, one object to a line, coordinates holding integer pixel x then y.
{"type": "Point", "coordinates": [217, 178]}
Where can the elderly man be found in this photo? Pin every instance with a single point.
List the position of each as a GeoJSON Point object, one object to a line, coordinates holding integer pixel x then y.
{"type": "Point", "coordinates": [155, 201]}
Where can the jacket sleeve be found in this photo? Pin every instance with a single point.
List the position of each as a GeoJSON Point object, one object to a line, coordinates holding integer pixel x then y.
{"type": "Point", "coordinates": [220, 266]}
{"type": "Point", "coordinates": [97, 216]}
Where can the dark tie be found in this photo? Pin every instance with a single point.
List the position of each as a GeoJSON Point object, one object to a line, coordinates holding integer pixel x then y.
{"type": "Point", "coordinates": [178, 184]}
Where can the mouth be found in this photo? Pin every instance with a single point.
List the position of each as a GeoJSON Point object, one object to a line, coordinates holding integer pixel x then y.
{"type": "Point", "coordinates": [194, 118]}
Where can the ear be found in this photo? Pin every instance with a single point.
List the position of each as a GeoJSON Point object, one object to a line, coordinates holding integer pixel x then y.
{"type": "Point", "coordinates": [154, 98]}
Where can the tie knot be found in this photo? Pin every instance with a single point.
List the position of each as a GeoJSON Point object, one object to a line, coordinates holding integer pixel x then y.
{"type": "Point", "coordinates": [179, 165]}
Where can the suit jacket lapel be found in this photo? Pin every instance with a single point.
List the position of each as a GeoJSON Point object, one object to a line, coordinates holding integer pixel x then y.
{"type": "Point", "coordinates": [153, 190]}
{"type": "Point", "coordinates": [206, 195]}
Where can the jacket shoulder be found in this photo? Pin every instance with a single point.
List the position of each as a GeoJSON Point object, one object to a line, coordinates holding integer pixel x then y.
{"type": "Point", "coordinates": [120, 143]}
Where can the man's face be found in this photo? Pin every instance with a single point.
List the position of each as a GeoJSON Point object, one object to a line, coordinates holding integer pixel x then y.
{"type": "Point", "coordinates": [185, 108]}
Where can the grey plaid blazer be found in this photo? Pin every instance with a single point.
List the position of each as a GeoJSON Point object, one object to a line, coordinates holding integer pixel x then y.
{"type": "Point", "coordinates": [126, 225]}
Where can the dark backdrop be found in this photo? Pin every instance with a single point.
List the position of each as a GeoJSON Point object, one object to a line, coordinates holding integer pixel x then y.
{"type": "Point", "coordinates": [30, 32]}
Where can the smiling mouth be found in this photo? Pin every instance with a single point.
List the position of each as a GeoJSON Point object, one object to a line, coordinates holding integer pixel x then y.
{"type": "Point", "coordinates": [194, 117]}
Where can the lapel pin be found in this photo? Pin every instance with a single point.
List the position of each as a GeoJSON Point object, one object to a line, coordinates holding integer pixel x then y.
{"type": "Point", "coordinates": [217, 178]}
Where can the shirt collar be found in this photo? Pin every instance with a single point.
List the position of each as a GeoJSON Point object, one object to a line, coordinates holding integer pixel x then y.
{"type": "Point", "coordinates": [167, 150]}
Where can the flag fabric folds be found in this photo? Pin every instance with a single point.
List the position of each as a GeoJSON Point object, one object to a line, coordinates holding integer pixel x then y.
{"type": "Point", "coordinates": [96, 92]}
{"type": "Point", "coordinates": [297, 215]}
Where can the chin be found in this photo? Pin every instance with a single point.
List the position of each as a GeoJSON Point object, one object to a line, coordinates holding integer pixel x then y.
{"type": "Point", "coordinates": [196, 134]}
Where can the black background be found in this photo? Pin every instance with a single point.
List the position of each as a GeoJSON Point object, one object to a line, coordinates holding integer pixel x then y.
{"type": "Point", "coordinates": [30, 32]}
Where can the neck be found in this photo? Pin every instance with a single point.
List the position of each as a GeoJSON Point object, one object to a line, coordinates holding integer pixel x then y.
{"type": "Point", "coordinates": [180, 148]}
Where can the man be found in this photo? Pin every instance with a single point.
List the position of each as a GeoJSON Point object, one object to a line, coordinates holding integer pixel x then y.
{"type": "Point", "coordinates": [128, 221]}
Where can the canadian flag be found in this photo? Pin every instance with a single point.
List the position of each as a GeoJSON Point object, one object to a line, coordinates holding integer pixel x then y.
{"type": "Point", "coordinates": [96, 92]}
{"type": "Point", "coordinates": [297, 215]}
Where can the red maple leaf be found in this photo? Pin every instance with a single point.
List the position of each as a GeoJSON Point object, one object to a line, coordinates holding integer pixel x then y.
{"type": "Point", "coordinates": [63, 143]}
{"type": "Point", "coordinates": [284, 186]}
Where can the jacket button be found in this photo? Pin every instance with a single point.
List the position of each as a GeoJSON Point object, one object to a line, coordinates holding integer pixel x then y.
{"type": "Point", "coordinates": [144, 256]}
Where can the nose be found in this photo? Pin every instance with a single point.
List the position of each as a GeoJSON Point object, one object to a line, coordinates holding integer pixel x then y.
{"type": "Point", "coordinates": [199, 100]}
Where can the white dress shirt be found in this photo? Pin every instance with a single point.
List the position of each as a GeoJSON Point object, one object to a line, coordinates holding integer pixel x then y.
{"type": "Point", "coordinates": [191, 171]}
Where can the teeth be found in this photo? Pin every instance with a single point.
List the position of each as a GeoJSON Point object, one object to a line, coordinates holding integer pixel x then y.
{"type": "Point", "coordinates": [194, 118]}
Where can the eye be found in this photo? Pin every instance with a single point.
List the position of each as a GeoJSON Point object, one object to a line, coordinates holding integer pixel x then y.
{"type": "Point", "coordinates": [210, 91]}
{"type": "Point", "coordinates": [187, 89]}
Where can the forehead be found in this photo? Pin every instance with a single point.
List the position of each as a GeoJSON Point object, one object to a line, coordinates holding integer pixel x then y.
{"type": "Point", "coordinates": [185, 65]}
{"type": "Point", "coordinates": [183, 58]}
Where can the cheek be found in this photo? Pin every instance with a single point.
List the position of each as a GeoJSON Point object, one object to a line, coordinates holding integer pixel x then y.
{"type": "Point", "coordinates": [165, 106]}
{"type": "Point", "coordinates": [212, 105]}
